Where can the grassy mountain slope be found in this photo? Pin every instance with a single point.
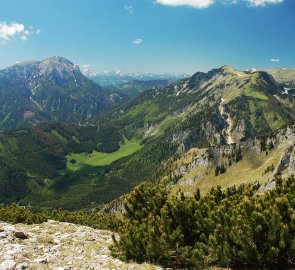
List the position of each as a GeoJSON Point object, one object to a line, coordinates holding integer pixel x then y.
{"type": "Point", "coordinates": [209, 106]}
{"type": "Point", "coordinates": [284, 76]}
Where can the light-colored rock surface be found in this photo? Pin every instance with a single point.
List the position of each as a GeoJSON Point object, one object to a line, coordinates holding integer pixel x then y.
{"type": "Point", "coordinates": [59, 246]}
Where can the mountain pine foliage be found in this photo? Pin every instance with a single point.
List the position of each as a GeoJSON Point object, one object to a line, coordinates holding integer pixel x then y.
{"type": "Point", "coordinates": [17, 214]}
{"type": "Point", "coordinates": [237, 228]}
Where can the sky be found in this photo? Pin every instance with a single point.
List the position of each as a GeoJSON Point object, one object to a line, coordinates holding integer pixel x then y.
{"type": "Point", "coordinates": [159, 36]}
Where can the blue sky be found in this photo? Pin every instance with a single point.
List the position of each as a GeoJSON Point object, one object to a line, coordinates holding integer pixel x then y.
{"type": "Point", "coordinates": [179, 36]}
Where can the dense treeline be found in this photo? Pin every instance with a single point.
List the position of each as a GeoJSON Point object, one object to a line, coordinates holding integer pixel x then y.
{"type": "Point", "coordinates": [237, 228]}
{"type": "Point", "coordinates": [18, 214]}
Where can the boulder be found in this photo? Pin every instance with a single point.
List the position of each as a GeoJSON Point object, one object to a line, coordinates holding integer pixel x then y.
{"type": "Point", "coordinates": [20, 235]}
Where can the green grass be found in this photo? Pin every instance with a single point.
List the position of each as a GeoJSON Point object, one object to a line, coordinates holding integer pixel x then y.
{"type": "Point", "coordinates": [59, 136]}
{"type": "Point", "coordinates": [96, 159]}
{"type": "Point", "coordinates": [251, 92]}
{"type": "Point", "coordinates": [169, 122]}
{"type": "Point", "coordinates": [232, 93]}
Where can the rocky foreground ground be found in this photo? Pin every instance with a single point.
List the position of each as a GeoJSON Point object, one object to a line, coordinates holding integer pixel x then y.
{"type": "Point", "coordinates": [58, 246]}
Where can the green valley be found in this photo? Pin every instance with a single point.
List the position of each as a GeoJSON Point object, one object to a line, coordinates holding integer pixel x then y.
{"type": "Point", "coordinates": [76, 161]}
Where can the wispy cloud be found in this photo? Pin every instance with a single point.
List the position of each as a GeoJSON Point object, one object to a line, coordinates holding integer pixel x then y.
{"type": "Point", "coordinates": [275, 60]}
{"type": "Point", "coordinates": [191, 3]}
{"type": "Point", "coordinates": [14, 29]}
{"type": "Point", "coordinates": [206, 3]}
{"type": "Point", "coordinates": [137, 41]}
{"type": "Point", "coordinates": [261, 3]}
{"type": "Point", "coordinates": [129, 9]}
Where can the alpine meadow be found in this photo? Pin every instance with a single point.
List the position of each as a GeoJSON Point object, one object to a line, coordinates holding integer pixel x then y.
{"type": "Point", "coordinates": [147, 135]}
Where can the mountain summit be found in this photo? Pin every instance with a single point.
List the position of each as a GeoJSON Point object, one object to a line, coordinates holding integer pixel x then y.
{"type": "Point", "coordinates": [52, 89]}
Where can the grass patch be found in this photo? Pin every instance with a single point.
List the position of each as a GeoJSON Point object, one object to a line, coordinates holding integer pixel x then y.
{"type": "Point", "coordinates": [75, 161]}
{"type": "Point", "coordinates": [59, 136]}
{"type": "Point", "coordinates": [251, 92]}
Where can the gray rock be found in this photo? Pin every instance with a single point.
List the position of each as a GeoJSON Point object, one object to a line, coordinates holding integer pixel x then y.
{"type": "Point", "coordinates": [8, 265]}
{"type": "Point", "coordinates": [22, 266]}
{"type": "Point", "coordinates": [3, 234]}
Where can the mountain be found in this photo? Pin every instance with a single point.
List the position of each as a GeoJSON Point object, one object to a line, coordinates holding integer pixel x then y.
{"type": "Point", "coordinates": [223, 105]}
{"type": "Point", "coordinates": [220, 116]}
{"type": "Point", "coordinates": [117, 77]}
{"type": "Point", "coordinates": [284, 76]}
{"type": "Point", "coordinates": [52, 89]}
{"type": "Point", "coordinates": [133, 88]}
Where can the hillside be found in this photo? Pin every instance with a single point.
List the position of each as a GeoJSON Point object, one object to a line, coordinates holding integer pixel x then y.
{"type": "Point", "coordinates": [283, 76]}
{"type": "Point", "coordinates": [142, 140]}
{"type": "Point", "coordinates": [52, 89]}
{"type": "Point", "coordinates": [223, 105]}
{"type": "Point", "coordinates": [253, 160]}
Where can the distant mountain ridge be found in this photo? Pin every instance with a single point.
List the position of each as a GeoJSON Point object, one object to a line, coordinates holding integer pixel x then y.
{"type": "Point", "coordinates": [112, 78]}
{"type": "Point", "coordinates": [134, 88]}
{"type": "Point", "coordinates": [284, 76]}
{"type": "Point", "coordinates": [52, 89]}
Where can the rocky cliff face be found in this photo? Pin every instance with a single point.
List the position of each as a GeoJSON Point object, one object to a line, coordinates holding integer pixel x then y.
{"type": "Point", "coordinates": [267, 157]}
{"type": "Point", "coordinates": [59, 246]}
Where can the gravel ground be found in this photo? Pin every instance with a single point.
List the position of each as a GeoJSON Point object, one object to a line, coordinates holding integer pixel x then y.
{"type": "Point", "coordinates": [59, 246]}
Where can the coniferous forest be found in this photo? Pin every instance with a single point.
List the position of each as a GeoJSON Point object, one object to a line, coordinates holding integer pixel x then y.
{"type": "Point", "coordinates": [237, 228]}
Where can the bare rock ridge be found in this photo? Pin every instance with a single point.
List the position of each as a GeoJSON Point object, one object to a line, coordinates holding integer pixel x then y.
{"type": "Point", "coordinates": [59, 246]}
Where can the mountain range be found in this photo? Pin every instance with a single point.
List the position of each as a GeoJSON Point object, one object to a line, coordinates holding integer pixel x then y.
{"type": "Point", "coordinates": [189, 134]}
{"type": "Point", "coordinates": [111, 78]}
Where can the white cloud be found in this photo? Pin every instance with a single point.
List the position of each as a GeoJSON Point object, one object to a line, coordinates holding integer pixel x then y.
{"type": "Point", "coordinates": [9, 31]}
{"type": "Point", "coordinates": [275, 60]}
{"type": "Point", "coordinates": [137, 41]}
{"type": "Point", "coordinates": [129, 9]}
{"type": "Point", "coordinates": [206, 3]}
{"type": "Point", "coordinates": [85, 66]}
{"type": "Point", "coordinates": [190, 3]}
{"type": "Point", "coordinates": [261, 3]}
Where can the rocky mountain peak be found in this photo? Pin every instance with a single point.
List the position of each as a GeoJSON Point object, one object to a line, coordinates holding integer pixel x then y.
{"type": "Point", "coordinates": [59, 68]}
{"type": "Point", "coordinates": [227, 68]}
{"type": "Point", "coordinates": [56, 70]}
